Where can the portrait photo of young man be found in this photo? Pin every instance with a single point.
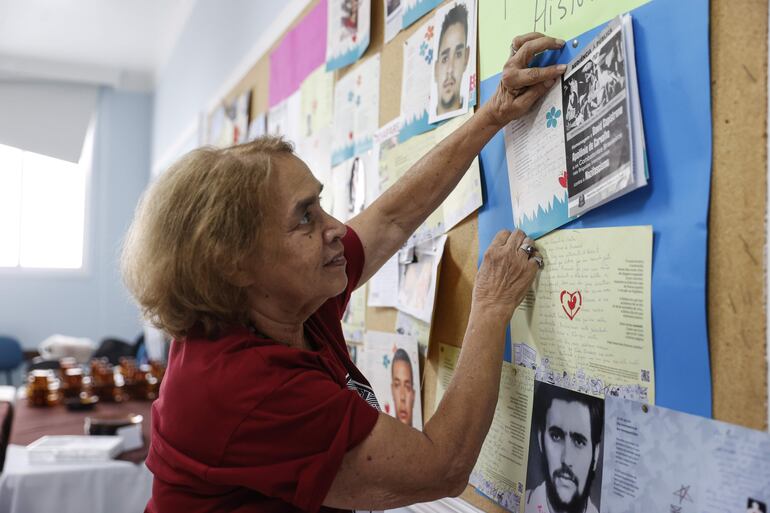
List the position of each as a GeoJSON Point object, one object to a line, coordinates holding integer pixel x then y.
{"type": "Point", "coordinates": [402, 386]}
{"type": "Point", "coordinates": [564, 471]}
{"type": "Point", "coordinates": [453, 62]}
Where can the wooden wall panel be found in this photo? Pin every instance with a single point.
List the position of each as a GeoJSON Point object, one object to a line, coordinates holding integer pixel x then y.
{"type": "Point", "coordinates": [737, 237]}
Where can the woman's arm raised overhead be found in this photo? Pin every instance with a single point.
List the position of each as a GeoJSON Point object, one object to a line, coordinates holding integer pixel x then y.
{"type": "Point", "coordinates": [395, 215]}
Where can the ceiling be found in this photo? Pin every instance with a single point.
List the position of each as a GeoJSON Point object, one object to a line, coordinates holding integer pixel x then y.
{"type": "Point", "coordinates": [106, 41]}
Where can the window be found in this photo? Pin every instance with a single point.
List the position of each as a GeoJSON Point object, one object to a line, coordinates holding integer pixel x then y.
{"type": "Point", "coordinates": [42, 209]}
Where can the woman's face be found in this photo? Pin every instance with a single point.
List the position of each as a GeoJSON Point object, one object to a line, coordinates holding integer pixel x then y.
{"type": "Point", "coordinates": [300, 263]}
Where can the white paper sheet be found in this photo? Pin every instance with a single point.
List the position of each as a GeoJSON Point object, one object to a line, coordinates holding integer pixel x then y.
{"type": "Point", "coordinates": [383, 286]}
{"type": "Point", "coordinates": [356, 110]}
{"type": "Point", "coordinates": [348, 31]}
{"type": "Point", "coordinates": [284, 118]}
{"type": "Point", "coordinates": [656, 459]}
{"type": "Point", "coordinates": [414, 327]}
{"type": "Point", "coordinates": [417, 280]}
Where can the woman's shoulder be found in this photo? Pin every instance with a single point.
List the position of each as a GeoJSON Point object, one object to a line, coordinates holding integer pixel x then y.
{"type": "Point", "coordinates": [241, 362]}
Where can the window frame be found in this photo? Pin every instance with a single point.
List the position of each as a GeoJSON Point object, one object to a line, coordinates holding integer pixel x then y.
{"type": "Point", "coordinates": [86, 164]}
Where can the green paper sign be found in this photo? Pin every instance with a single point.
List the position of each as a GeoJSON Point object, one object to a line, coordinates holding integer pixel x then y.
{"type": "Point", "coordinates": [502, 20]}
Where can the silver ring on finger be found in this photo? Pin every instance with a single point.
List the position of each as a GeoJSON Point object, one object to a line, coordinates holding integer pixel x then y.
{"type": "Point", "coordinates": [539, 261]}
{"type": "Point", "coordinates": [527, 248]}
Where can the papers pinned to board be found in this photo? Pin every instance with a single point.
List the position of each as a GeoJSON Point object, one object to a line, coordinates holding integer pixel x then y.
{"type": "Point", "coordinates": [582, 145]}
{"type": "Point", "coordinates": [348, 32]}
{"type": "Point", "coordinates": [425, 74]}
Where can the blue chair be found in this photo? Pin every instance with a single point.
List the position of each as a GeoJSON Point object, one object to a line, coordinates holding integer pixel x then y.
{"type": "Point", "coordinates": [11, 356]}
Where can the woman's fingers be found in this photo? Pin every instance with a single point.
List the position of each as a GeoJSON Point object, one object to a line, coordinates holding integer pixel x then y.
{"type": "Point", "coordinates": [533, 76]}
{"type": "Point", "coordinates": [532, 94]}
{"type": "Point", "coordinates": [519, 40]}
{"type": "Point", "coordinates": [536, 262]}
{"type": "Point", "coordinates": [517, 75]}
{"type": "Point", "coordinates": [532, 47]}
{"type": "Point", "coordinates": [516, 240]}
{"type": "Point", "coordinates": [501, 238]}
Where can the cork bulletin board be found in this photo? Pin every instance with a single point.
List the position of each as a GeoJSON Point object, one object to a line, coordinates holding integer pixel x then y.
{"type": "Point", "coordinates": [737, 241]}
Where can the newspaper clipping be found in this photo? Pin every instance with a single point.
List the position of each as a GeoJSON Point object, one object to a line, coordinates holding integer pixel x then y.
{"type": "Point", "coordinates": [595, 101]}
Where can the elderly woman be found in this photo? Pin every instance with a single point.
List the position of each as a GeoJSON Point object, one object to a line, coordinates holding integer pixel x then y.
{"type": "Point", "coordinates": [261, 408]}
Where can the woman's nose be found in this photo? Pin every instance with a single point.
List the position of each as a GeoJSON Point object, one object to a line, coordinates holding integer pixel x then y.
{"type": "Point", "coordinates": [334, 229]}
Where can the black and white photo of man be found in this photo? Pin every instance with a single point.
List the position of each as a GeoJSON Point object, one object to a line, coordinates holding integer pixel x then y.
{"type": "Point", "coordinates": [564, 472]}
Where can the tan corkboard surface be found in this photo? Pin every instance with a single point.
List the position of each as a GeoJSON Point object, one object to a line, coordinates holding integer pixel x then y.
{"type": "Point", "coordinates": [737, 236]}
{"type": "Point", "coordinates": [735, 299]}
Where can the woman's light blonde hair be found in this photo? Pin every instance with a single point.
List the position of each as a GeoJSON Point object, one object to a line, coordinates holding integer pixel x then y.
{"type": "Point", "coordinates": [193, 228]}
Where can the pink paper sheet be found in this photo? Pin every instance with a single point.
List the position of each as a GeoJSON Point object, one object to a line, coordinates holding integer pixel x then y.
{"type": "Point", "coordinates": [301, 51]}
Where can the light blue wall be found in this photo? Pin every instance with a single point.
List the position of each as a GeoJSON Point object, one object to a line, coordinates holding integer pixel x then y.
{"type": "Point", "coordinates": [94, 304]}
{"type": "Point", "coordinates": [216, 38]}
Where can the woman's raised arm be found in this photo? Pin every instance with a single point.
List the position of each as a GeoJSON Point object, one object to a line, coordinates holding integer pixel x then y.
{"type": "Point", "coordinates": [386, 225]}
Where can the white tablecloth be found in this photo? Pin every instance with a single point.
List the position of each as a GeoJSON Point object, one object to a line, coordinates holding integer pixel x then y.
{"type": "Point", "coordinates": [113, 486]}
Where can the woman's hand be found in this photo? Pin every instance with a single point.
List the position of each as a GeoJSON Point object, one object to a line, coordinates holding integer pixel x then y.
{"type": "Point", "coordinates": [506, 272]}
{"type": "Point", "coordinates": [521, 86]}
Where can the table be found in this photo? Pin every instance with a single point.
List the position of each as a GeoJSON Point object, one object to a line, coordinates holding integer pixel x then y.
{"type": "Point", "coordinates": [31, 423]}
{"type": "Point", "coordinates": [121, 485]}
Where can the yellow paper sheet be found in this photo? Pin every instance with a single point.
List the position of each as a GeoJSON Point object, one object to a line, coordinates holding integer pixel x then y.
{"type": "Point", "coordinates": [587, 326]}
{"type": "Point", "coordinates": [501, 469]}
{"type": "Point", "coordinates": [317, 92]}
{"type": "Point", "coordinates": [396, 159]}
{"type": "Point", "coordinates": [447, 361]}
{"type": "Point", "coordinates": [502, 20]}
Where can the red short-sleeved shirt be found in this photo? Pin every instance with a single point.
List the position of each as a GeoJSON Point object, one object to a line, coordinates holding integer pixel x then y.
{"type": "Point", "coordinates": [247, 424]}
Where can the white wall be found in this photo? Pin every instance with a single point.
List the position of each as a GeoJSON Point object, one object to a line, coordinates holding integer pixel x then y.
{"type": "Point", "coordinates": [216, 40]}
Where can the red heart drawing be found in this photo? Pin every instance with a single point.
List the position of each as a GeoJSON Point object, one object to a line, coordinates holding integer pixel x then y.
{"type": "Point", "coordinates": [563, 180]}
{"type": "Point", "coordinates": [573, 303]}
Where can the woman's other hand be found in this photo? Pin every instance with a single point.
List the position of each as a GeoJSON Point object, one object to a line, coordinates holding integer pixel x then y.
{"type": "Point", "coordinates": [506, 273]}
{"type": "Point", "coordinates": [521, 86]}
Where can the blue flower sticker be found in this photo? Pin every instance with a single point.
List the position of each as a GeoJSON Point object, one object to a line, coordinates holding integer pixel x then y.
{"type": "Point", "coordinates": [358, 100]}
{"type": "Point", "coordinates": [429, 57]}
{"type": "Point", "coordinates": [350, 96]}
{"type": "Point", "coordinates": [551, 118]}
{"type": "Point", "coordinates": [423, 48]}
{"type": "Point", "coordinates": [385, 361]}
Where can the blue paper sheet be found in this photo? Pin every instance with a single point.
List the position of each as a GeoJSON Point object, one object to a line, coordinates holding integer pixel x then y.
{"type": "Point", "coordinates": [672, 57]}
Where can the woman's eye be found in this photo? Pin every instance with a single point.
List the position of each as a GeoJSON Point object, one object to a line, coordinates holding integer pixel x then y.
{"type": "Point", "coordinates": [305, 218]}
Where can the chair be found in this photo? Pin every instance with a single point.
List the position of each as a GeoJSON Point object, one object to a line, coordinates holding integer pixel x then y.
{"type": "Point", "coordinates": [11, 356]}
{"type": "Point", "coordinates": [114, 349]}
{"type": "Point", "coordinates": [6, 422]}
